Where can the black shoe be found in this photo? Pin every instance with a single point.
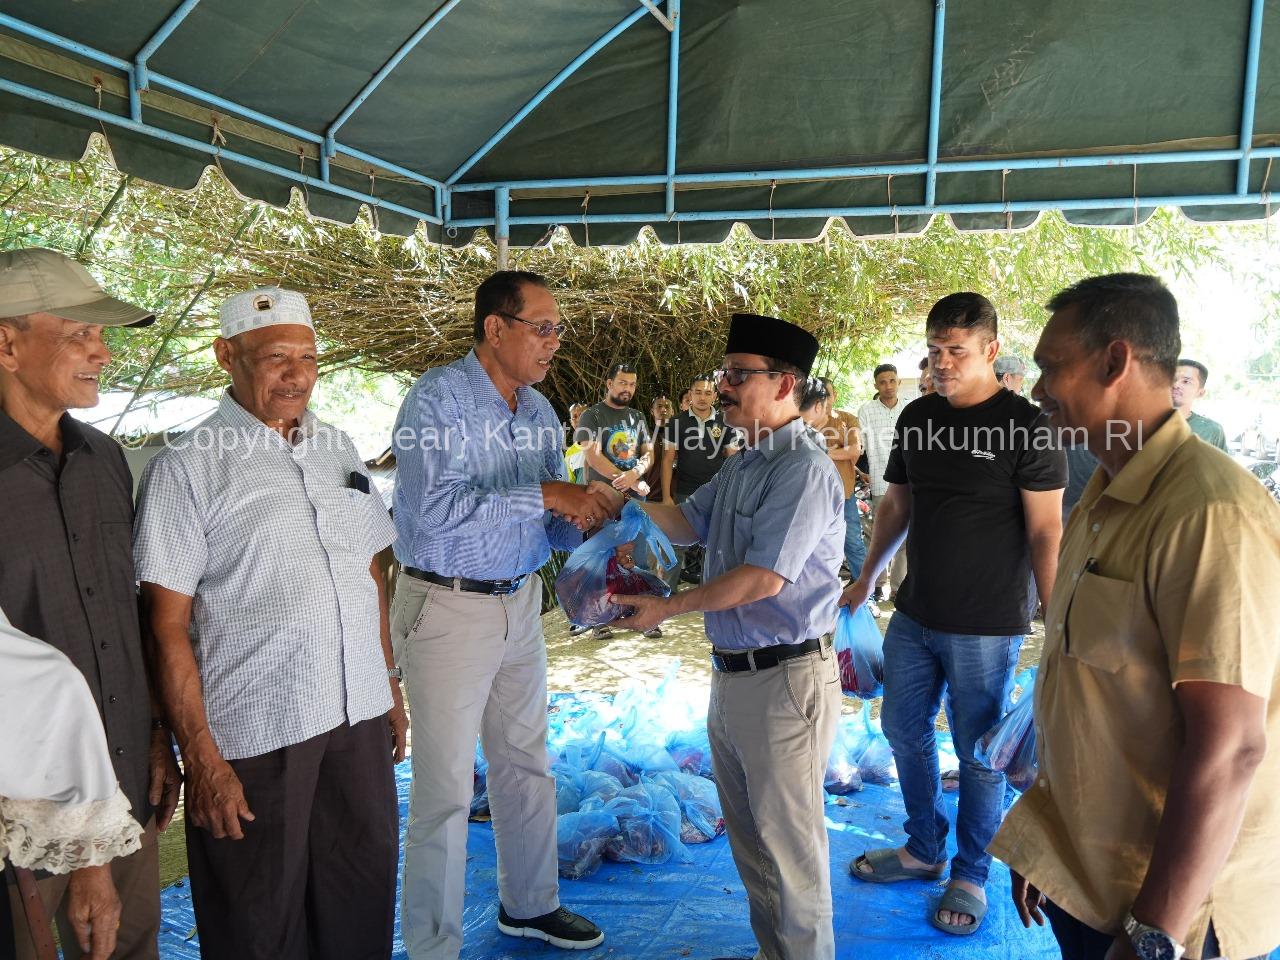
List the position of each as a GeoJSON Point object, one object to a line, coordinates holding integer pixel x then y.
{"type": "Point", "coordinates": [560, 928]}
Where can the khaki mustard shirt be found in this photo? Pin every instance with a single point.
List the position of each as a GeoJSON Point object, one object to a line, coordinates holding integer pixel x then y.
{"type": "Point", "coordinates": [841, 430]}
{"type": "Point", "coordinates": [1169, 572]}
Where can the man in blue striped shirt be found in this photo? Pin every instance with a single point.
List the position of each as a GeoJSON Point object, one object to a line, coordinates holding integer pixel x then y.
{"type": "Point", "coordinates": [481, 500]}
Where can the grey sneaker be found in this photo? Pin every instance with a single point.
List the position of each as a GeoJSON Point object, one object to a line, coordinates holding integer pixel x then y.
{"type": "Point", "coordinates": [654, 634]}
{"type": "Point", "coordinates": [560, 928]}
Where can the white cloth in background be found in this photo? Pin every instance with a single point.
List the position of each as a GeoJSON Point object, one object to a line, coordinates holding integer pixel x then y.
{"type": "Point", "coordinates": [60, 805]}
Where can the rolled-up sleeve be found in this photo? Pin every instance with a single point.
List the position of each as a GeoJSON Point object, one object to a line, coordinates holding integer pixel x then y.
{"type": "Point", "coordinates": [169, 542]}
{"type": "Point", "coordinates": [790, 519]}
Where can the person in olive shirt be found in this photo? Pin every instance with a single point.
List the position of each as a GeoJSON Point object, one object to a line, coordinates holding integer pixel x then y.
{"type": "Point", "coordinates": [1188, 387]}
{"type": "Point", "coordinates": [69, 579]}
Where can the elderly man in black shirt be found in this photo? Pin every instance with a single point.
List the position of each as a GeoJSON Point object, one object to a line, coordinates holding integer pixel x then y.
{"type": "Point", "coordinates": [67, 571]}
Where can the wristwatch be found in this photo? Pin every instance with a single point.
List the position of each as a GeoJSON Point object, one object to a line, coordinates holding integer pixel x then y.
{"type": "Point", "coordinates": [1151, 943]}
{"type": "Point", "coordinates": [395, 673]}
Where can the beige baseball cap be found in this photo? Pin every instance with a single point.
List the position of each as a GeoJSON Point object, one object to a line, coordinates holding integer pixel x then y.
{"type": "Point", "coordinates": [37, 280]}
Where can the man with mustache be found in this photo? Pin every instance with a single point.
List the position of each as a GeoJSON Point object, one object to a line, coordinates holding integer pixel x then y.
{"type": "Point", "coordinates": [480, 502]}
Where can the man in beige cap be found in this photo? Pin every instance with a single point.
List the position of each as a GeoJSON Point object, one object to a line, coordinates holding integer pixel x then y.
{"type": "Point", "coordinates": [66, 573]}
{"type": "Point", "coordinates": [255, 546]}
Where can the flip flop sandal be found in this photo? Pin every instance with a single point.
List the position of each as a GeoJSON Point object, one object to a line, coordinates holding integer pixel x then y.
{"type": "Point", "coordinates": [886, 867]}
{"type": "Point", "coordinates": [959, 901]}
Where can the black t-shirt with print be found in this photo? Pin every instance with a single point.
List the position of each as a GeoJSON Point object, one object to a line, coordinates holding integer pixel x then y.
{"type": "Point", "coordinates": [968, 562]}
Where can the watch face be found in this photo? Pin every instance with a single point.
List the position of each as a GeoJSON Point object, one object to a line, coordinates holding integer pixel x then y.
{"type": "Point", "coordinates": [1154, 945]}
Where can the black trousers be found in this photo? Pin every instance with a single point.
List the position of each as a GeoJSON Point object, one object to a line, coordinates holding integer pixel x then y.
{"type": "Point", "coordinates": [315, 876]}
{"type": "Point", "coordinates": [1080, 942]}
{"type": "Point", "coordinates": [7, 950]}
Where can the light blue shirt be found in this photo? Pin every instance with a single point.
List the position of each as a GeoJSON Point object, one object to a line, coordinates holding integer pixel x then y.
{"type": "Point", "coordinates": [778, 505]}
{"type": "Point", "coordinates": [468, 499]}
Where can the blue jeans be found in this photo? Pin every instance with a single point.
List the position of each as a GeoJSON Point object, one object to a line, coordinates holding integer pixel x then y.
{"type": "Point", "coordinates": [855, 548]}
{"type": "Point", "coordinates": [919, 664]}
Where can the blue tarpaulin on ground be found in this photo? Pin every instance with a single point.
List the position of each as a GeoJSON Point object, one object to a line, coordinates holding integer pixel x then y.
{"type": "Point", "coordinates": [700, 909]}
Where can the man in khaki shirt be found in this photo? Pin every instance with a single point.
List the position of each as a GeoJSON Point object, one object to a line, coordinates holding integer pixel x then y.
{"type": "Point", "coordinates": [1154, 822]}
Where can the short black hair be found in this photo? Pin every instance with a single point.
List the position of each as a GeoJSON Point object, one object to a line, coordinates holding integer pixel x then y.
{"type": "Point", "coordinates": [802, 378]}
{"type": "Point", "coordinates": [924, 363]}
{"type": "Point", "coordinates": [500, 293]}
{"type": "Point", "coordinates": [884, 368]}
{"type": "Point", "coordinates": [699, 378]}
{"type": "Point", "coordinates": [1132, 307]}
{"type": "Point", "coordinates": [815, 392]}
{"type": "Point", "coordinates": [962, 311]}
{"type": "Point", "coordinates": [1204, 371]}
{"type": "Point", "coordinates": [20, 322]}
{"type": "Point", "coordinates": [618, 368]}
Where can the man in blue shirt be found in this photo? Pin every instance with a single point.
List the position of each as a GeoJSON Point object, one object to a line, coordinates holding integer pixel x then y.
{"type": "Point", "coordinates": [481, 500]}
{"type": "Point", "coordinates": [772, 521]}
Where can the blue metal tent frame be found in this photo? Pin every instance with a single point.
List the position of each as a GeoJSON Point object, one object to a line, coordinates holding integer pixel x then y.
{"type": "Point", "coordinates": [141, 79]}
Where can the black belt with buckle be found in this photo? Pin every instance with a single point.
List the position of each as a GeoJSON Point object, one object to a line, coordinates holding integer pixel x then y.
{"type": "Point", "coordinates": [494, 588]}
{"type": "Point", "coordinates": [762, 658]}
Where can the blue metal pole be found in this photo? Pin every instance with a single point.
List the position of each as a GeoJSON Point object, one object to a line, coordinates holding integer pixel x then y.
{"type": "Point", "coordinates": [390, 65]}
{"type": "Point", "coordinates": [1250, 94]}
{"type": "Point", "coordinates": [1016, 206]}
{"type": "Point", "coordinates": [103, 116]}
{"type": "Point", "coordinates": [673, 101]}
{"type": "Point", "coordinates": [638, 14]}
{"type": "Point", "coordinates": [935, 102]}
{"type": "Point", "coordinates": [502, 225]}
{"type": "Point", "coordinates": [872, 170]}
{"type": "Point", "coordinates": [159, 37]}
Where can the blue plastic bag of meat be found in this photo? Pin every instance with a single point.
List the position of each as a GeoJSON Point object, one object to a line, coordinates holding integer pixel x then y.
{"type": "Point", "coordinates": [625, 557]}
{"type": "Point", "coordinates": [859, 646]}
{"type": "Point", "coordinates": [581, 839]}
{"type": "Point", "coordinates": [691, 750]}
{"type": "Point", "coordinates": [702, 818]}
{"type": "Point", "coordinates": [649, 823]}
{"type": "Point", "coordinates": [1010, 746]}
{"type": "Point", "coordinates": [843, 775]}
{"type": "Point", "coordinates": [871, 751]}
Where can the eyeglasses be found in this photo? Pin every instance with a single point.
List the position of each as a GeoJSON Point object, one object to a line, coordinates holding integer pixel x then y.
{"type": "Point", "coordinates": [735, 376]}
{"type": "Point", "coordinates": [544, 329]}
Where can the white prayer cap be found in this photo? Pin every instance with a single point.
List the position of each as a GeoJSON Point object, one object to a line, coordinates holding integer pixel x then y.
{"type": "Point", "coordinates": [264, 307]}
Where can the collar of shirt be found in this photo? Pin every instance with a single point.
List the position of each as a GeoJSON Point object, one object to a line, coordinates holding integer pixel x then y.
{"type": "Point", "coordinates": [239, 417]}
{"type": "Point", "coordinates": [776, 441]}
{"type": "Point", "coordinates": [17, 445]}
{"type": "Point", "coordinates": [484, 391]}
{"type": "Point", "coordinates": [1133, 482]}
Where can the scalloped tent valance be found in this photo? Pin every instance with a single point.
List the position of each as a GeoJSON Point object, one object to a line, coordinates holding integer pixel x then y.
{"type": "Point", "coordinates": [606, 116]}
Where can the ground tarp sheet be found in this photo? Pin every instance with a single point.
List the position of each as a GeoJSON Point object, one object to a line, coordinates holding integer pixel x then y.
{"type": "Point", "coordinates": [700, 909]}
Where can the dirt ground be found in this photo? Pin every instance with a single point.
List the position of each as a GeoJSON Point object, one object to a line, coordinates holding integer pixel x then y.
{"type": "Point", "coordinates": [606, 666]}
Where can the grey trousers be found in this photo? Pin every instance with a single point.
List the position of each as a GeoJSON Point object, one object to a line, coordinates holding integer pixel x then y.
{"type": "Point", "coordinates": [473, 664]}
{"type": "Point", "coordinates": [771, 734]}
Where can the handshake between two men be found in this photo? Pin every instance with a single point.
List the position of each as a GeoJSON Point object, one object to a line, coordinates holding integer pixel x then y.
{"type": "Point", "coordinates": [586, 507]}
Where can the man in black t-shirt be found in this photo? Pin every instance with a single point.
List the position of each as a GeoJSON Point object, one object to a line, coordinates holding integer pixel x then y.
{"type": "Point", "coordinates": [694, 445]}
{"type": "Point", "coordinates": [976, 472]}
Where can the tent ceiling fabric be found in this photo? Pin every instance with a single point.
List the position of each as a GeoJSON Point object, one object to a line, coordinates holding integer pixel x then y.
{"type": "Point", "coordinates": [788, 112]}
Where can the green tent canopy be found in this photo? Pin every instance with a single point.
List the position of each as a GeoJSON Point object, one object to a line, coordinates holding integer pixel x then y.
{"type": "Point", "coordinates": [605, 116]}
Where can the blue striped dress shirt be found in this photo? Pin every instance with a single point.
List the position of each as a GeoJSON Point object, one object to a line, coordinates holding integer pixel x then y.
{"type": "Point", "coordinates": [468, 499]}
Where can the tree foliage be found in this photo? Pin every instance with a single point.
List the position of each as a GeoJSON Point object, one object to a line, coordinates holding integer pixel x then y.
{"type": "Point", "coordinates": [398, 305]}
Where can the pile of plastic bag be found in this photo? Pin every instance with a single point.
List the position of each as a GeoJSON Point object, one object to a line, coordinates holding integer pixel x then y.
{"type": "Point", "coordinates": [1010, 746]}
{"type": "Point", "coordinates": [626, 557]}
{"type": "Point", "coordinates": [633, 773]}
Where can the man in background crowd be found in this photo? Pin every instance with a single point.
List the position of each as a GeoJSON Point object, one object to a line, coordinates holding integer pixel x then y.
{"type": "Point", "coordinates": [1188, 387]}
{"type": "Point", "coordinates": [878, 417]}
{"type": "Point", "coordinates": [1011, 372]}
{"type": "Point", "coordinates": [844, 445]}
{"type": "Point", "coordinates": [616, 436]}
{"type": "Point", "coordinates": [926, 378]}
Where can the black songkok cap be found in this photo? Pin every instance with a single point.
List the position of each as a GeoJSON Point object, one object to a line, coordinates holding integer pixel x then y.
{"type": "Point", "coordinates": [771, 337]}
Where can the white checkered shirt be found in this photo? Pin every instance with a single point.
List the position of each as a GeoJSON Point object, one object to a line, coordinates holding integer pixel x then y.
{"type": "Point", "coordinates": [275, 547]}
{"type": "Point", "coordinates": [877, 422]}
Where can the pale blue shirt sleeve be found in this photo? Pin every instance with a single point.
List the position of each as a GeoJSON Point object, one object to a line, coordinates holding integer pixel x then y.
{"type": "Point", "coordinates": [786, 527]}
{"type": "Point", "coordinates": [450, 503]}
{"type": "Point", "coordinates": [561, 534]}
{"type": "Point", "coordinates": [169, 544]}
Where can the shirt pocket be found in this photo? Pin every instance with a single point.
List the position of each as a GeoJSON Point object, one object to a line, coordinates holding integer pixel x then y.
{"type": "Point", "coordinates": [1100, 623]}
{"type": "Point", "coordinates": [344, 522]}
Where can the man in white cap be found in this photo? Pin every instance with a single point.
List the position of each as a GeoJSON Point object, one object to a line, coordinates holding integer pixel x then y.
{"type": "Point", "coordinates": [255, 546]}
{"type": "Point", "coordinates": [66, 568]}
